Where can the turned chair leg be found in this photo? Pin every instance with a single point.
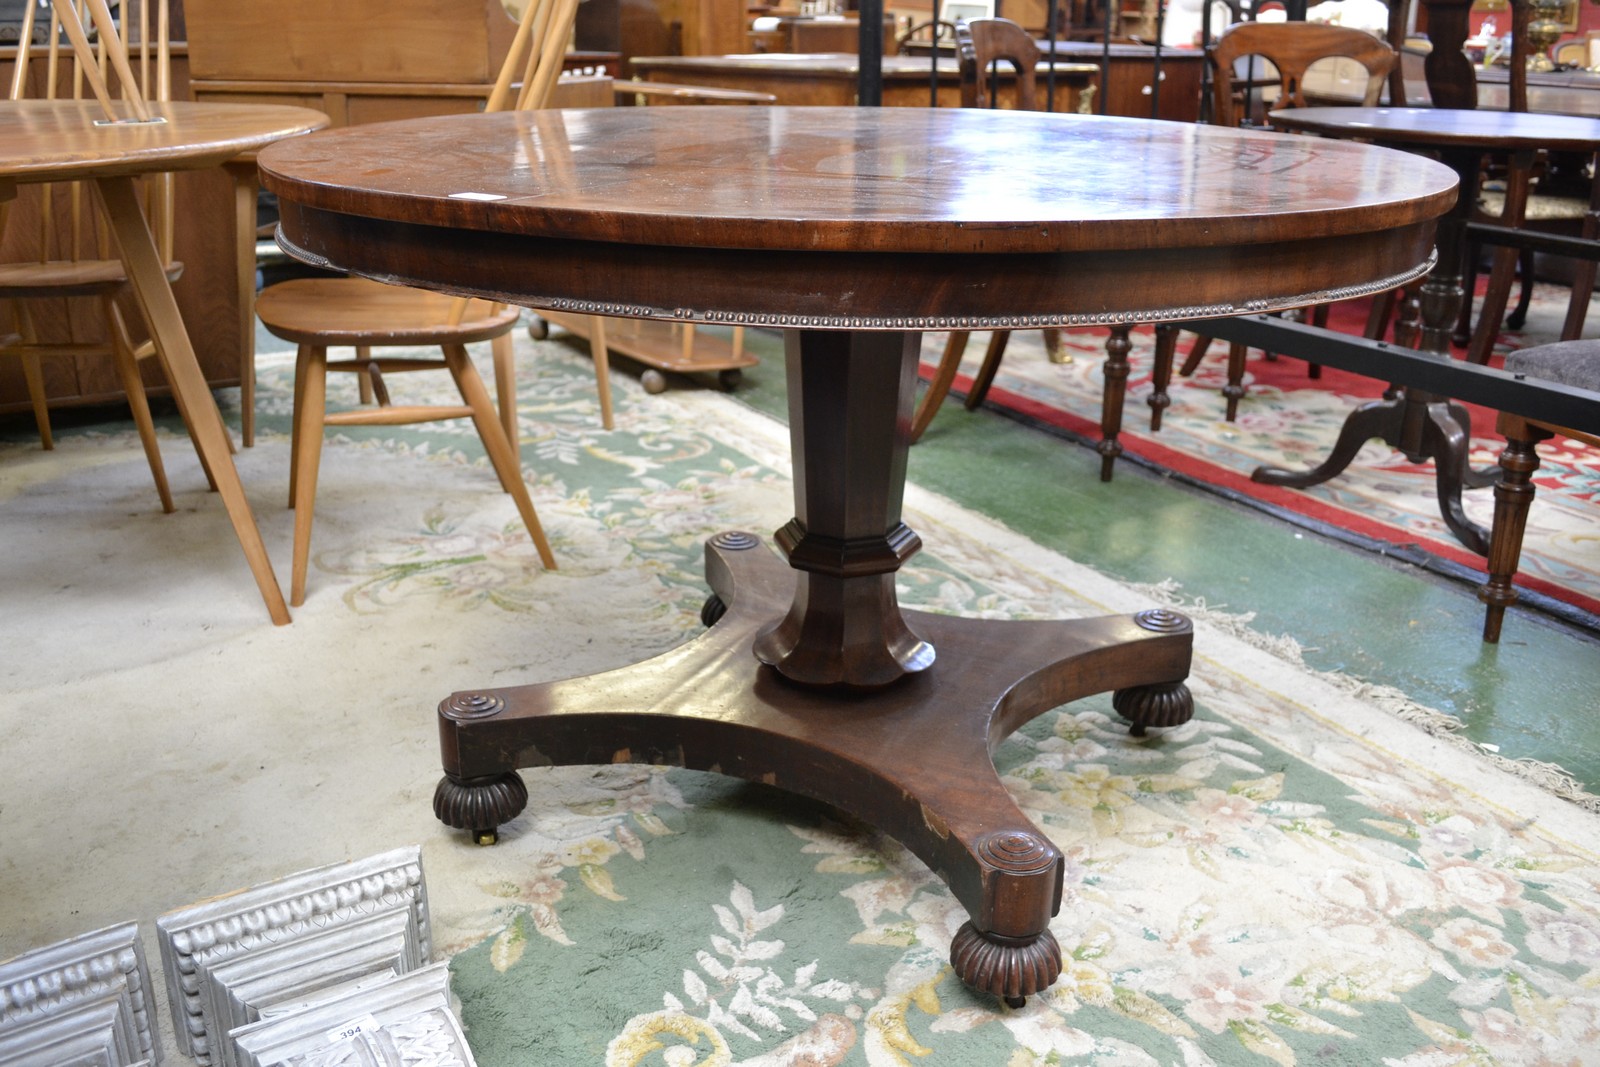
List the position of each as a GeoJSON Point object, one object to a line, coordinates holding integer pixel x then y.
{"type": "Point", "coordinates": [1118, 345]}
{"type": "Point", "coordinates": [1513, 495]}
{"type": "Point", "coordinates": [1161, 374]}
{"type": "Point", "coordinates": [1233, 390]}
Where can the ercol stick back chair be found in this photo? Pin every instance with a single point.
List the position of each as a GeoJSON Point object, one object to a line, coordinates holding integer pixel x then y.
{"type": "Point", "coordinates": [70, 257]}
{"type": "Point", "coordinates": [317, 313]}
{"type": "Point", "coordinates": [1291, 49]}
{"type": "Point", "coordinates": [981, 45]}
{"type": "Point", "coordinates": [1575, 363]}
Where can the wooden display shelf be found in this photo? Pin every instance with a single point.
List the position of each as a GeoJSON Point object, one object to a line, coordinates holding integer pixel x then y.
{"type": "Point", "coordinates": [666, 347]}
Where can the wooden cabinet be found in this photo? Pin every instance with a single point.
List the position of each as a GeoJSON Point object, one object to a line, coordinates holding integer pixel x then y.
{"type": "Point", "coordinates": [662, 27]}
{"type": "Point", "coordinates": [355, 60]}
{"type": "Point", "coordinates": [831, 79]}
{"type": "Point", "coordinates": [1131, 77]}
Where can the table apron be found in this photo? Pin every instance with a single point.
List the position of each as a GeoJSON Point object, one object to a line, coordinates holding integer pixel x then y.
{"type": "Point", "coordinates": [861, 290]}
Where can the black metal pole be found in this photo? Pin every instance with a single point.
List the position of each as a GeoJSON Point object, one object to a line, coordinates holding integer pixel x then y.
{"type": "Point", "coordinates": [1050, 73]}
{"type": "Point", "coordinates": [933, 60]}
{"type": "Point", "coordinates": [1105, 58]}
{"type": "Point", "coordinates": [1155, 73]}
{"type": "Point", "coordinates": [869, 58]}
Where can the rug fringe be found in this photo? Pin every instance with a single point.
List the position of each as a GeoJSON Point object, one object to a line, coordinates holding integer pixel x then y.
{"type": "Point", "coordinates": [1550, 777]}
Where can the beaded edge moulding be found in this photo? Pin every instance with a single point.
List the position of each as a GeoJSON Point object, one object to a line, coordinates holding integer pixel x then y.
{"type": "Point", "coordinates": [263, 917]}
{"type": "Point", "coordinates": [85, 1001]}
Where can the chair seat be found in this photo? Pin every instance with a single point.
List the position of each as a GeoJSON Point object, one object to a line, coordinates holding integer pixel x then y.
{"type": "Point", "coordinates": [65, 277]}
{"type": "Point", "coordinates": [1539, 208]}
{"type": "Point", "coordinates": [1574, 363]}
{"type": "Point", "coordinates": [358, 311]}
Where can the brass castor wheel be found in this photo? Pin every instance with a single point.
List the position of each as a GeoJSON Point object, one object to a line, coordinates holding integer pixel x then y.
{"type": "Point", "coordinates": [712, 611]}
{"type": "Point", "coordinates": [729, 379]}
{"type": "Point", "coordinates": [538, 328]}
{"type": "Point", "coordinates": [480, 805]}
{"type": "Point", "coordinates": [653, 381]}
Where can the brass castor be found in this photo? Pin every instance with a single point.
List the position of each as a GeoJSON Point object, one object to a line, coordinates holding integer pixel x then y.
{"type": "Point", "coordinates": [538, 328]}
{"type": "Point", "coordinates": [480, 805]}
{"type": "Point", "coordinates": [653, 381]}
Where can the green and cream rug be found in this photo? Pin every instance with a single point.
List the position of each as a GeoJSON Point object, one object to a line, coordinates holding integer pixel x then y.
{"type": "Point", "coordinates": [1299, 876]}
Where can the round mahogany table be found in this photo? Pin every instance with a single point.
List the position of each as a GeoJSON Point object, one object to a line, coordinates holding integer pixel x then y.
{"type": "Point", "coordinates": [853, 229]}
{"type": "Point", "coordinates": [1425, 425]}
{"type": "Point", "coordinates": [70, 140]}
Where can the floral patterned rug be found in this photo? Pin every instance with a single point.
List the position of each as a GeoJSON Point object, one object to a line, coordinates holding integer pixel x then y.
{"type": "Point", "coordinates": [1298, 876]}
{"type": "Point", "coordinates": [1288, 419]}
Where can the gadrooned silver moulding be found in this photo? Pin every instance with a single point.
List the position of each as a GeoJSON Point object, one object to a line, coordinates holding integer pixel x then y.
{"type": "Point", "coordinates": [405, 1021]}
{"type": "Point", "coordinates": [331, 920]}
{"type": "Point", "coordinates": [83, 1002]}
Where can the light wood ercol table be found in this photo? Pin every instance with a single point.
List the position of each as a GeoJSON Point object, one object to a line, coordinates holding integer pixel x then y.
{"type": "Point", "coordinates": [64, 140]}
{"type": "Point", "coordinates": [853, 229]}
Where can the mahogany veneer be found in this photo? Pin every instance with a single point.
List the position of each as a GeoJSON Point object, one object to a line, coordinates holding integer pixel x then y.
{"type": "Point", "coordinates": [853, 228]}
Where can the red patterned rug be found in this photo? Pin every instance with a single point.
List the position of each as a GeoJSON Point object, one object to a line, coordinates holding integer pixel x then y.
{"type": "Point", "coordinates": [1289, 419]}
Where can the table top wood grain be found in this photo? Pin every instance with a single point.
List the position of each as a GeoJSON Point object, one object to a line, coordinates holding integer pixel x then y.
{"type": "Point", "coordinates": [863, 217]}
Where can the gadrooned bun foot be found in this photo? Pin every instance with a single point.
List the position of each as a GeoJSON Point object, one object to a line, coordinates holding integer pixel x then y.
{"type": "Point", "coordinates": [1166, 704]}
{"type": "Point", "coordinates": [712, 610]}
{"type": "Point", "coordinates": [1012, 968]}
{"type": "Point", "coordinates": [479, 805]}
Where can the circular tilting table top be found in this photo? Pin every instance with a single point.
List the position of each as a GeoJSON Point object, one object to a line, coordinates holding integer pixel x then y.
{"type": "Point", "coordinates": [893, 218]}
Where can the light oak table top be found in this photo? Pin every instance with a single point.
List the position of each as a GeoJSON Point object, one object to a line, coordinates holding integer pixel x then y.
{"type": "Point", "coordinates": [58, 140]}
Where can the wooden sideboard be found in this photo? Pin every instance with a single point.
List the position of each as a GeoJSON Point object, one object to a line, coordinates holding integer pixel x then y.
{"type": "Point", "coordinates": [1130, 76]}
{"type": "Point", "coordinates": [829, 78]}
{"type": "Point", "coordinates": [432, 57]}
